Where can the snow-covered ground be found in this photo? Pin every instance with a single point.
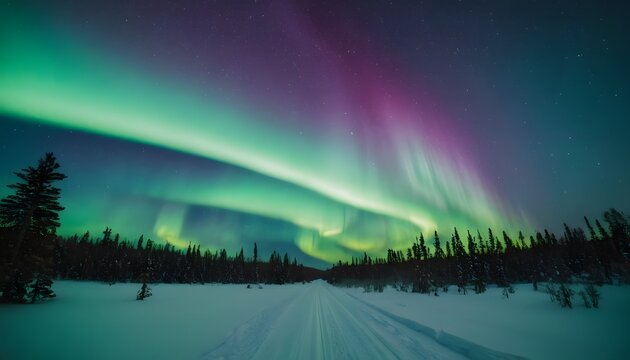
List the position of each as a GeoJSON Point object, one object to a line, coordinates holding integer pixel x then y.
{"type": "Point", "coordinates": [90, 320]}
{"type": "Point", "coordinates": [323, 322]}
{"type": "Point", "coordinates": [526, 324]}
{"type": "Point", "coordinates": [311, 321]}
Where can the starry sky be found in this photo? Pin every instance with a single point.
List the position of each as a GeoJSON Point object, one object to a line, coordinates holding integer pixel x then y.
{"type": "Point", "coordinates": [322, 128]}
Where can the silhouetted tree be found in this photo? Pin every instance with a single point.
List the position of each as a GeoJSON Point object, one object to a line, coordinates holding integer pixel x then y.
{"type": "Point", "coordinates": [439, 254]}
{"type": "Point", "coordinates": [145, 290]}
{"type": "Point", "coordinates": [543, 258]}
{"type": "Point", "coordinates": [30, 216]}
{"type": "Point", "coordinates": [619, 231]}
{"type": "Point", "coordinates": [41, 289]}
{"type": "Point", "coordinates": [256, 277]}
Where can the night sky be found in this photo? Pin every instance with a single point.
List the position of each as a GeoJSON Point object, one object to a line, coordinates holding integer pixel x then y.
{"type": "Point", "coordinates": [324, 129]}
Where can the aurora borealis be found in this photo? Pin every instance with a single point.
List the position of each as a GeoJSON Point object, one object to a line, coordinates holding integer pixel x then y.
{"type": "Point", "coordinates": [324, 129]}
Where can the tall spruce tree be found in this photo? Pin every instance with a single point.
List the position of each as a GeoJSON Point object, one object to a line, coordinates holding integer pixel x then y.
{"type": "Point", "coordinates": [30, 217]}
{"type": "Point", "coordinates": [619, 231]}
{"type": "Point", "coordinates": [439, 253]}
{"type": "Point", "coordinates": [424, 254]}
{"type": "Point", "coordinates": [256, 263]}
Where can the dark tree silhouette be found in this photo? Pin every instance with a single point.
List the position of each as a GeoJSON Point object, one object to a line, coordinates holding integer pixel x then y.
{"type": "Point", "coordinates": [82, 259]}
{"type": "Point", "coordinates": [30, 218]}
{"type": "Point", "coordinates": [41, 290]}
{"type": "Point", "coordinates": [439, 254]}
{"type": "Point", "coordinates": [145, 290]}
{"type": "Point", "coordinates": [31, 253]}
{"type": "Point", "coordinates": [255, 261]}
{"type": "Point", "coordinates": [573, 256]}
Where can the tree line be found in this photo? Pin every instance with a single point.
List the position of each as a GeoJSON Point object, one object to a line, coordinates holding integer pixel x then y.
{"type": "Point", "coordinates": [32, 254]}
{"type": "Point", "coordinates": [111, 260]}
{"type": "Point", "coordinates": [472, 261]}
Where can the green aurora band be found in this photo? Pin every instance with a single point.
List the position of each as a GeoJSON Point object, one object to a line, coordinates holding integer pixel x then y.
{"type": "Point", "coordinates": [342, 205]}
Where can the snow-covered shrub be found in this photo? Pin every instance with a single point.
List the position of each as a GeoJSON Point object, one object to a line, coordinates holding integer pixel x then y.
{"type": "Point", "coordinates": [585, 300]}
{"type": "Point", "coordinates": [592, 294]}
{"type": "Point", "coordinates": [507, 291]}
{"type": "Point", "coordinates": [402, 286]}
{"type": "Point", "coordinates": [563, 294]}
{"type": "Point", "coordinates": [144, 292]}
{"type": "Point", "coordinates": [566, 296]}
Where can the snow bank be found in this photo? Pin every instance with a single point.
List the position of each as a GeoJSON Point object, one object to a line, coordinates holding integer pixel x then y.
{"type": "Point", "coordinates": [91, 320]}
{"type": "Point", "coordinates": [526, 324]}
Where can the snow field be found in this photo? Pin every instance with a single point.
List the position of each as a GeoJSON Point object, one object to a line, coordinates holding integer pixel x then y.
{"type": "Point", "coordinates": [90, 320]}
{"type": "Point", "coordinates": [526, 324]}
{"type": "Point", "coordinates": [311, 321]}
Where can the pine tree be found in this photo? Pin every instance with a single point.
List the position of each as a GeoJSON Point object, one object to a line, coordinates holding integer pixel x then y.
{"type": "Point", "coordinates": [476, 266]}
{"type": "Point", "coordinates": [491, 244]}
{"type": "Point", "coordinates": [240, 267]}
{"type": "Point", "coordinates": [521, 240]}
{"type": "Point", "coordinates": [41, 289]}
{"type": "Point", "coordinates": [145, 290]}
{"type": "Point", "coordinates": [482, 244]}
{"type": "Point", "coordinates": [449, 253]}
{"type": "Point", "coordinates": [498, 246]}
{"type": "Point", "coordinates": [439, 253]}
{"type": "Point", "coordinates": [619, 231]}
{"type": "Point", "coordinates": [31, 216]}
{"type": "Point", "coordinates": [148, 268]}
{"type": "Point", "coordinates": [591, 231]}
{"type": "Point", "coordinates": [424, 254]}
{"type": "Point", "coordinates": [472, 248]}
{"type": "Point", "coordinates": [140, 241]}
{"type": "Point", "coordinates": [509, 244]}
{"type": "Point", "coordinates": [256, 263]}
{"type": "Point", "coordinates": [188, 267]}
{"type": "Point", "coordinates": [285, 268]}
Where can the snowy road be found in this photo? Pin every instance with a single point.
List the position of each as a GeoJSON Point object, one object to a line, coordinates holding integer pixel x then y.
{"type": "Point", "coordinates": [326, 323]}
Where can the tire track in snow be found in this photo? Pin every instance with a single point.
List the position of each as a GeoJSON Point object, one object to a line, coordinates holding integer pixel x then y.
{"type": "Point", "coordinates": [462, 346]}
{"type": "Point", "coordinates": [327, 323]}
{"type": "Point", "coordinates": [244, 341]}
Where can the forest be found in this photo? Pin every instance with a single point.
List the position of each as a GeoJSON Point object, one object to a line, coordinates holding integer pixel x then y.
{"type": "Point", "coordinates": [110, 260]}
{"type": "Point", "coordinates": [472, 262]}
{"type": "Point", "coordinates": [32, 255]}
